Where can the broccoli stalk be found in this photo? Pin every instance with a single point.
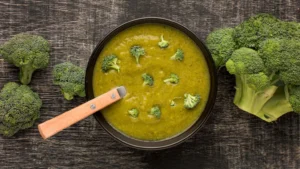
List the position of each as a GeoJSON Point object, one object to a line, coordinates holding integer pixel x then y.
{"type": "Point", "coordinates": [179, 55]}
{"type": "Point", "coordinates": [28, 52]}
{"type": "Point", "coordinates": [70, 78]}
{"type": "Point", "coordinates": [137, 52]}
{"type": "Point", "coordinates": [249, 99]}
{"type": "Point", "coordinates": [25, 74]}
{"type": "Point", "coordinates": [163, 43]}
{"type": "Point", "coordinates": [275, 107]}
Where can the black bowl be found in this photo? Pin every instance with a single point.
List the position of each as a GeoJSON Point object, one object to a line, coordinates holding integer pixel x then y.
{"type": "Point", "coordinates": [167, 143]}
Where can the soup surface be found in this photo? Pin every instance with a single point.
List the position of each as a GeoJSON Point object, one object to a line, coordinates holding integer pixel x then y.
{"type": "Point", "coordinates": [192, 71]}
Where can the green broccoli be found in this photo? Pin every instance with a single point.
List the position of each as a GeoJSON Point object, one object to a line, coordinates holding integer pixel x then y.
{"type": "Point", "coordinates": [265, 79]}
{"type": "Point", "coordinates": [179, 55]}
{"type": "Point", "coordinates": [288, 30]}
{"type": "Point", "coordinates": [282, 56]}
{"type": "Point", "coordinates": [191, 101]}
{"type": "Point", "coordinates": [266, 65]}
{"type": "Point", "coordinates": [19, 108]}
{"type": "Point", "coordinates": [221, 45]}
{"type": "Point", "coordinates": [70, 78]}
{"type": "Point", "coordinates": [137, 52]}
{"type": "Point", "coordinates": [148, 79]}
{"type": "Point", "coordinates": [110, 62]}
{"type": "Point", "coordinates": [133, 113]}
{"type": "Point", "coordinates": [163, 43]}
{"type": "Point", "coordinates": [155, 111]}
{"type": "Point", "coordinates": [256, 29]}
{"type": "Point", "coordinates": [28, 52]}
{"type": "Point", "coordinates": [173, 78]}
{"type": "Point", "coordinates": [173, 103]}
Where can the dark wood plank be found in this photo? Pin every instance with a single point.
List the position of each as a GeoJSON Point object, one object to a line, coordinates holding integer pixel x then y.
{"type": "Point", "coordinates": [230, 139]}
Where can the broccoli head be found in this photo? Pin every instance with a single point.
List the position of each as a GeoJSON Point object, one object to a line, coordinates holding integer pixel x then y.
{"type": "Point", "coordinates": [28, 52]}
{"type": "Point", "coordinates": [282, 56]}
{"type": "Point", "coordinates": [70, 78]}
{"type": "Point", "coordinates": [110, 62]}
{"type": "Point", "coordinates": [137, 52]}
{"type": "Point", "coordinates": [256, 29]}
{"type": "Point", "coordinates": [191, 101]}
{"type": "Point", "coordinates": [264, 78]}
{"type": "Point", "coordinates": [179, 55]}
{"type": "Point", "coordinates": [288, 30]}
{"type": "Point", "coordinates": [163, 43]}
{"type": "Point", "coordinates": [244, 61]}
{"type": "Point", "coordinates": [133, 113]}
{"type": "Point", "coordinates": [155, 111]}
{"type": "Point", "coordinates": [173, 78]}
{"type": "Point", "coordinates": [148, 79]}
{"type": "Point", "coordinates": [265, 63]}
{"type": "Point", "coordinates": [221, 45]}
{"type": "Point", "coordinates": [19, 108]}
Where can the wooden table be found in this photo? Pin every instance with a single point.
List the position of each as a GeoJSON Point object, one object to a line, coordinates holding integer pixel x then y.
{"type": "Point", "coordinates": [230, 139]}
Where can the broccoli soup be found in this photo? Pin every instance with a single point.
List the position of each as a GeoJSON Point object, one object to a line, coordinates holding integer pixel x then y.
{"type": "Point", "coordinates": [166, 78]}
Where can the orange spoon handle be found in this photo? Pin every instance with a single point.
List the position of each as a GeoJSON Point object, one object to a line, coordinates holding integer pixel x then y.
{"type": "Point", "coordinates": [58, 123]}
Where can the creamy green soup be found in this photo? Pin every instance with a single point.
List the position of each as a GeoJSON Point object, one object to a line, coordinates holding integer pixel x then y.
{"type": "Point", "coordinates": [192, 71]}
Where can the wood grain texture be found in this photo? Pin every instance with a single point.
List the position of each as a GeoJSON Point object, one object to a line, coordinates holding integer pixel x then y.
{"type": "Point", "coordinates": [230, 139]}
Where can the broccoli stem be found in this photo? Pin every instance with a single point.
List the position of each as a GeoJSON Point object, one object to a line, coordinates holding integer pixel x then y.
{"type": "Point", "coordinates": [238, 88]}
{"type": "Point", "coordinates": [250, 100]}
{"type": "Point", "coordinates": [261, 98]}
{"type": "Point", "coordinates": [25, 74]}
{"type": "Point", "coordinates": [277, 106]}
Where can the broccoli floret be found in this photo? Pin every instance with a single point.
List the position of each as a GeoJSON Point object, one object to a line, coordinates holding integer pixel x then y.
{"type": "Point", "coordinates": [110, 62]}
{"type": "Point", "coordinates": [70, 78]}
{"type": "Point", "coordinates": [221, 45]}
{"type": "Point", "coordinates": [282, 56]}
{"type": "Point", "coordinates": [288, 30]}
{"type": "Point", "coordinates": [191, 101]}
{"type": "Point", "coordinates": [173, 78]}
{"type": "Point", "coordinates": [155, 111]}
{"type": "Point", "coordinates": [256, 29]}
{"type": "Point", "coordinates": [133, 113]}
{"type": "Point", "coordinates": [148, 79]}
{"type": "Point", "coordinates": [294, 98]}
{"type": "Point", "coordinates": [137, 52]}
{"type": "Point", "coordinates": [244, 61]}
{"type": "Point", "coordinates": [28, 52]}
{"type": "Point", "coordinates": [163, 43]}
{"type": "Point", "coordinates": [172, 103]}
{"type": "Point", "coordinates": [19, 108]}
{"type": "Point", "coordinates": [179, 55]}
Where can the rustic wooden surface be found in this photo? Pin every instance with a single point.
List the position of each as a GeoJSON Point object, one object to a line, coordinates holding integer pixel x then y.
{"type": "Point", "coordinates": [230, 139]}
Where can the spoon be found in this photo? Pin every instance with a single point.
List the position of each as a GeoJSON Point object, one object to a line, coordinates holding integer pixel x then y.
{"type": "Point", "coordinates": [65, 120]}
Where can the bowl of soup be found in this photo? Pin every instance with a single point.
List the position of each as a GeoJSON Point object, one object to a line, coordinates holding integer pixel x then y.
{"type": "Point", "coordinates": [161, 40]}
